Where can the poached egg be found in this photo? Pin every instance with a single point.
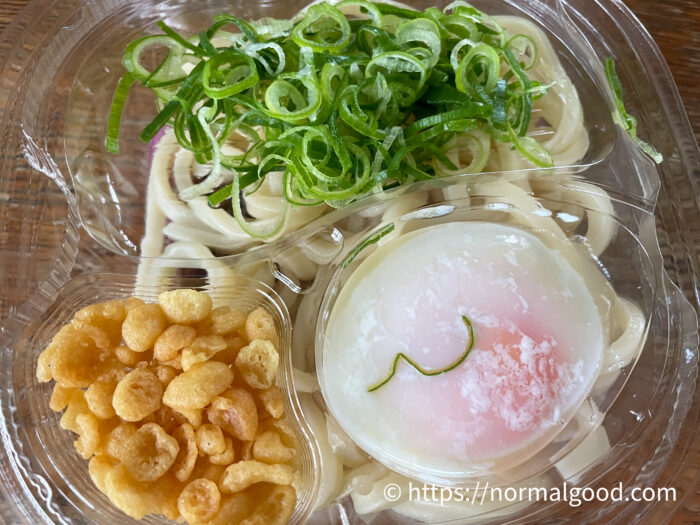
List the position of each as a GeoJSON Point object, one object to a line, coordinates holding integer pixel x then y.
{"type": "Point", "coordinates": [538, 343]}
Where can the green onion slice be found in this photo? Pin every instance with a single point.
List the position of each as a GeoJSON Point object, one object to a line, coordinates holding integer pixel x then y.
{"type": "Point", "coordinates": [400, 69]}
{"type": "Point", "coordinates": [228, 73]}
{"type": "Point", "coordinates": [622, 118]}
{"type": "Point", "coordinates": [532, 150]}
{"type": "Point", "coordinates": [487, 60]}
{"type": "Point", "coordinates": [423, 31]}
{"type": "Point", "coordinates": [299, 107]}
{"type": "Point", "coordinates": [255, 51]}
{"type": "Point", "coordinates": [375, 15]}
{"type": "Point", "coordinates": [523, 47]}
{"type": "Point", "coordinates": [115, 113]}
{"type": "Point", "coordinates": [132, 56]}
{"type": "Point", "coordinates": [323, 28]}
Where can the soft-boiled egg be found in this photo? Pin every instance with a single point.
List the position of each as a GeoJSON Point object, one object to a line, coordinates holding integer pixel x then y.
{"type": "Point", "coordinates": [538, 342]}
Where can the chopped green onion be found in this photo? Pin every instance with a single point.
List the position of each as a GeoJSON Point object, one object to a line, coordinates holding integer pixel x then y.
{"type": "Point", "coordinates": [255, 51]}
{"type": "Point", "coordinates": [115, 113]}
{"type": "Point", "coordinates": [371, 9]}
{"type": "Point", "coordinates": [424, 31]}
{"type": "Point", "coordinates": [389, 9]}
{"type": "Point", "coordinates": [344, 100]}
{"type": "Point", "coordinates": [312, 32]}
{"type": "Point", "coordinates": [133, 52]}
{"type": "Point", "coordinates": [223, 194]}
{"type": "Point", "coordinates": [532, 151]}
{"type": "Point", "coordinates": [523, 46]}
{"type": "Point", "coordinates": [396, 63]}
{"type": "Point", "coordinates": [175, 36]}
{"type": "Point", "coordinates": [622, 118]}
{"type": "Point", "coordinates": [283, 93]}
{"type": "Point", "coordinates": [239, 75]}
{"type": "Point", "coordinates": [466, 76]}
{"type": "Point", "coordinates": [221, 20]}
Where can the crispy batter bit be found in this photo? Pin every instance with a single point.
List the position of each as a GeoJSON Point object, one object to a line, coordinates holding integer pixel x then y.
{"type": "Point", "coordinates": [175, 407]}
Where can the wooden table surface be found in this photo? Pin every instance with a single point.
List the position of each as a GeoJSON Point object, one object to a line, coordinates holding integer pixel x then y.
{"type": "Point", "coordinates": [675, 25]}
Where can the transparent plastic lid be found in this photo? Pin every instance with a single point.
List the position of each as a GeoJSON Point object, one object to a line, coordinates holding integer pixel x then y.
{"type": "Point", "coordinates": [71, 208]}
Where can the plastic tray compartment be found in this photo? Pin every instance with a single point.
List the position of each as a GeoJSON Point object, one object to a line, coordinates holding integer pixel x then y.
{"type": "Point", "coordinates": [40, 457]}
{"type": "Point", "coordinates": [627, 403]}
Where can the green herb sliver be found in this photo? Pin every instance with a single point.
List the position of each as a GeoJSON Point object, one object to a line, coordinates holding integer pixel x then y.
{"type": "Point", "coordinates": [373, 239]}
{"type": "Point", "coordinates": [622, 118]}
{"type": "Point", "coordinates": [422, 370]}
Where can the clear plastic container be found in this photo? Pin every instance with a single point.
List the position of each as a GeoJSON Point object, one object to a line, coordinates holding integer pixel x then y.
{"type": "Point", "coordinates": [63, 216]}
{"type": "Point", "coordinates": [46, 452]}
